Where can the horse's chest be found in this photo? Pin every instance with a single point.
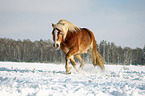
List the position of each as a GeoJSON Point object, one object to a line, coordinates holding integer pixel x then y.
{"type": "Point", "coordinates": [64, 48]}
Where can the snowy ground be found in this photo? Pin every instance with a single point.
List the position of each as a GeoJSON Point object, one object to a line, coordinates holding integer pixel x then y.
{"type": "Point", "coordinates": [37, 79]}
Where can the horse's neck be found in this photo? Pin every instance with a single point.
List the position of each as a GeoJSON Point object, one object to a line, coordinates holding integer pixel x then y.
{"type": "Point", "coordinates": [70, 37]}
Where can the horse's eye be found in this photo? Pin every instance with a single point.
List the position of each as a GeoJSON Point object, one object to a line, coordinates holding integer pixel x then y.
{"type": "Point", "coordinates": [60, 33]}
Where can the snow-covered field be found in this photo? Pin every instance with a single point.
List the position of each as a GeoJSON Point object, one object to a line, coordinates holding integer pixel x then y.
{"type": "Point", "coordinates": [40, 79]}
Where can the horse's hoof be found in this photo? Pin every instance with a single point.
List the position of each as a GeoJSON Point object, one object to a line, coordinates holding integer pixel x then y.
{"type": "Point", "coordinates": [68, 70]}
{"type": "Point", "coordinates": [68, 73]}
{"type": "Point", "coordinates": [77, 70]}
{"type": "Point", "coordinates": [81, 66]}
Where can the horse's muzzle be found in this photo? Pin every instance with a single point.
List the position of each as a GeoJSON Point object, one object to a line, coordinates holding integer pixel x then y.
{"type": "Point", "coordinates": [56, 46]}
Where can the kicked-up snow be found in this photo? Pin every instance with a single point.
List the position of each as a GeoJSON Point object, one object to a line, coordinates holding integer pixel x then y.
{"type": "Point", "coordinates": [40, 79]}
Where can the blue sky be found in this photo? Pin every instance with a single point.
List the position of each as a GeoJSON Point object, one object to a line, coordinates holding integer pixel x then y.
{"type": "Point", "coordinates": [118, 21]}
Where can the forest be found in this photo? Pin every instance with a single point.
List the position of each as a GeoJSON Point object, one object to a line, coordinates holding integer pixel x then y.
{"type": "Point", "coordinates": [43, 51]}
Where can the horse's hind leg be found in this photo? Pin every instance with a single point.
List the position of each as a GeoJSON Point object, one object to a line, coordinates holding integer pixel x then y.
{"type": "Point", "coordinates": [74, 64]}
{"type": "Point", "coordinates": [79, 58]}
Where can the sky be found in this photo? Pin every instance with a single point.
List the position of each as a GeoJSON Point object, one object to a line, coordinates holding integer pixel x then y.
{"type": "Point", "coordinates": [118, 21]}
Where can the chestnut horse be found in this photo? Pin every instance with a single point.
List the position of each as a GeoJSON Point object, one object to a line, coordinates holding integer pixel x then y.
{"type": "Point", "coordinates": [74, 41]}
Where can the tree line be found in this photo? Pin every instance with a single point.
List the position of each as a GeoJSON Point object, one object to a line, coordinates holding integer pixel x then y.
{"type": "Point", "coordinates": [43, 51]}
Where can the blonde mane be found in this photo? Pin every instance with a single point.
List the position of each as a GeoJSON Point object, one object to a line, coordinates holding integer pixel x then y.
{"type": "Point", "coordinates": [66, 27]}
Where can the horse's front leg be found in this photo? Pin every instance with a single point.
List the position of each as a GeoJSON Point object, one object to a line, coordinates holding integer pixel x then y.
{"type": "Point", "coordinates": [74, 63]}
{"type": "Point", "coordinates": [71, 52]}
{"type": "Point", "coordinates": [67, 66]}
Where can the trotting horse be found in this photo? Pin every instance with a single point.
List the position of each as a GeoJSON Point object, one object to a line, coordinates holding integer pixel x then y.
{"type": "Point", "coordinates": [74, 41]}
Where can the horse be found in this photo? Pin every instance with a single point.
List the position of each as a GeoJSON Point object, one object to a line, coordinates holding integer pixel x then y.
{"type": "Point", "coordinates": [74, 41]}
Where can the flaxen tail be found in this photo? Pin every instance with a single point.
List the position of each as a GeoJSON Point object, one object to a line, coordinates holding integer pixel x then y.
{"type": "Point", "coordinates": [99, 59]}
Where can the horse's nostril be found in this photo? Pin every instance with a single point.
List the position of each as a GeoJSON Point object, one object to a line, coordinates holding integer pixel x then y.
{"type": "Point", "coordinates": [54, 45]}
{"type": "Point", "coordinates": [57, 45]}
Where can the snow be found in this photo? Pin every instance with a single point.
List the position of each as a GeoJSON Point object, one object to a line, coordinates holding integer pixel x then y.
{"type": "Point", "coordinates": [42, 79]}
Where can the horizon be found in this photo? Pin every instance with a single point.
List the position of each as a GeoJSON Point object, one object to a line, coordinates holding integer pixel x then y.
{"type": "Point", "coordinates": [121, 22]}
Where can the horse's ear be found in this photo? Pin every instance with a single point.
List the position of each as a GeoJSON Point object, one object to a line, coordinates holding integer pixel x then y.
{"type": "Point", "coordinates": [52, 25]}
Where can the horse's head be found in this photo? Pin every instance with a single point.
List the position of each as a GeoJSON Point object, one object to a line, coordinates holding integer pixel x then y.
{"type": "Point", "coordinates": [60, 31]}
{"type": "Point", "coordinates": [57, 36]}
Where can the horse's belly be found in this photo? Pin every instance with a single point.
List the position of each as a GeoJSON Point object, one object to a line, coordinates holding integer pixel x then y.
{"type": "Point", "coordinates": [84, 48]}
